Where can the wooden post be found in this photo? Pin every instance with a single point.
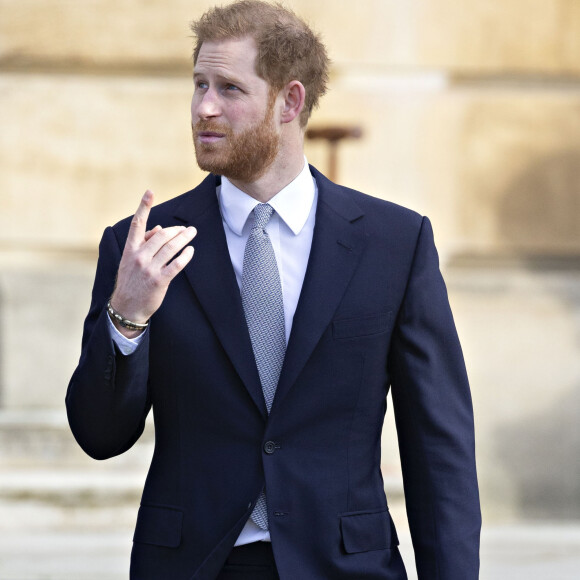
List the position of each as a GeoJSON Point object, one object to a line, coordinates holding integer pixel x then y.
{"type": "Point", "coordinates": [333, 135]}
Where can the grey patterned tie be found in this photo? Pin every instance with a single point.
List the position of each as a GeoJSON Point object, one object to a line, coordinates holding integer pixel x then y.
{"type": "Point", "coordinates": [264, 311]}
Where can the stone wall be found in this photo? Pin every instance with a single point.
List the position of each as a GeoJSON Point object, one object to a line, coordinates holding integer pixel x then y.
{"type": "Point", "coordinates": [470, 114]}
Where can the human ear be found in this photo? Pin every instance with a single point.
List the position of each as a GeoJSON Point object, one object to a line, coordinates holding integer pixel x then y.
{"type": "Point", "coordinates": [294, 95]}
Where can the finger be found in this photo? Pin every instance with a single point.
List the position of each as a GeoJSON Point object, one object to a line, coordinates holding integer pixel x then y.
{"type": "Point", "coordinates": [150, 233]}
{"type": "Point", "coordinates": [169, 250]}
{"type": "Point", "coordinates": [175, 266]}
{"type": "Point", "coordinates": [160, 239]}
{"type": "Point", "coordinates": [139, 221]}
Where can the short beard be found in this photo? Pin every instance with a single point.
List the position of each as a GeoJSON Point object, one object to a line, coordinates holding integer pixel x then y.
{"type": "Point", "coordinates": [244, 156]}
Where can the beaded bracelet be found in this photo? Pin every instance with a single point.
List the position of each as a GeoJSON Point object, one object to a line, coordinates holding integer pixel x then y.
{"type": "Point", "coordinates": [123, 321]}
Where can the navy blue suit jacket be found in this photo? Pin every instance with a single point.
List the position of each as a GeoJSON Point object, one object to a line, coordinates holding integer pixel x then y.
{"type": "Point", "coordinates": [373, 314]}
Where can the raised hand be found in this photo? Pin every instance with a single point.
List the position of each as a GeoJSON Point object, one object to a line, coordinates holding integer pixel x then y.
{"type": "Point", "coordinates": [149, 262]}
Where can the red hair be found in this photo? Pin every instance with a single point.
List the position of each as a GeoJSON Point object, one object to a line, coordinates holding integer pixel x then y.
{"type": "Point", "coordinates": [288, 49]}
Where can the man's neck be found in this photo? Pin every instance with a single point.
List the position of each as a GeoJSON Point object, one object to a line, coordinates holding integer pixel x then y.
{"type": "Point", "coordinates": [284, 169]}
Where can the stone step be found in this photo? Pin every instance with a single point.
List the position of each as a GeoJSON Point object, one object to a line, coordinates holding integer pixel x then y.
{"type": "Point", "coordinates": [68, 488]}
{"type": "Point", "coordinates": [41, 439]}
{"type": "Point", "coordinates": [48, 482]}
{"type": "Point", "coordinates": [61, 499]}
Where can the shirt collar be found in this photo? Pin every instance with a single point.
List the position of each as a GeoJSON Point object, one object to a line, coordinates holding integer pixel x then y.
{"type": "Point", "coordinates": [292, 204]}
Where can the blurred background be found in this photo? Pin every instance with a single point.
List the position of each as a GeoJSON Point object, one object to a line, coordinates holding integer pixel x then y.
{"type": "Point", "coordinates": [468, 112]}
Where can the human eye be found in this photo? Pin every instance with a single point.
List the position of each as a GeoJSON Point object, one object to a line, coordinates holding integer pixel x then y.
{"type": "Point", "coordinates": [231, 87]}
{"type": "Point", "coordinates": [200, 84]}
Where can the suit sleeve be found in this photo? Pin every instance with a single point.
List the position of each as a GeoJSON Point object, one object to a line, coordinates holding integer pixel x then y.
{"type": "Point", "coordinates": [434, 419]}
{"type": "Point", "coordinates": [107, 399]}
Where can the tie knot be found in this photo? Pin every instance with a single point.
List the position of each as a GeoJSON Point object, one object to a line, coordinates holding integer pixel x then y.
{"type": "Point", "coordinates": [262, 214]}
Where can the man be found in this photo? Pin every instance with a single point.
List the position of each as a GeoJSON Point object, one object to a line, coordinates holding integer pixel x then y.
{"type": "Point", "coordinates": [267, 356]}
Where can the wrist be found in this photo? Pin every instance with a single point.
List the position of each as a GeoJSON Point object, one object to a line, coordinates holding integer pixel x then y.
{"type": "Point", "coordinates": [125, 332]}
{"type": "Point", "coordinates": [125, 326]}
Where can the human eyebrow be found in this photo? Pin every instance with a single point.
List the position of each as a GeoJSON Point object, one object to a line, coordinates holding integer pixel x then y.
{"type": "Point", "coordinates": [231, 81]}
{"type": "Point", "coordinates": [226, 82]}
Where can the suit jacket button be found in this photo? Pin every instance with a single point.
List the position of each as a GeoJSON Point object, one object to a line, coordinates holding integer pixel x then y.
{"type": "Point", "coordinates": [270, 447]}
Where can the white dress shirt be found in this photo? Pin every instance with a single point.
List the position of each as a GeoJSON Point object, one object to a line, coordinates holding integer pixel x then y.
{"type": "Point", "coordinates": [290, 229]}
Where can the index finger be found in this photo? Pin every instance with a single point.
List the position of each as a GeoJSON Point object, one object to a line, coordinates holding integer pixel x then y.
{"type": "Point", "coordinates": [139, 221]}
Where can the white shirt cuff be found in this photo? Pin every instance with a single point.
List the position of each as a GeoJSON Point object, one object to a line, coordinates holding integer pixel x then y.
{"type": "Point", "coordinates": [126, 345]}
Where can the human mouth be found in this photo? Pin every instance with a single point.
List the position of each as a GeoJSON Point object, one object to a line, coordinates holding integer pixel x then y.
{"type": "Point", "coordinates": [209, 136]}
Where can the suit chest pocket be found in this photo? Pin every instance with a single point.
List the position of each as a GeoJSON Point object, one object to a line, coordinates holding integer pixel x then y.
{"type": "Point", "coordinates": [362, 326]}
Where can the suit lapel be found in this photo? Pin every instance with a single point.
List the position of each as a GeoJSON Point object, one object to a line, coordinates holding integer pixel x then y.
{"type": "Point", "coordinates": [338, 242]}
{"type": "Point", "coordinates": [212, 277]}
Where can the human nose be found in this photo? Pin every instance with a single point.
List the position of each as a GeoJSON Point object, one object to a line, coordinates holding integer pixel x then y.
{"type": "Point", "coordinates": [205, 105]}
